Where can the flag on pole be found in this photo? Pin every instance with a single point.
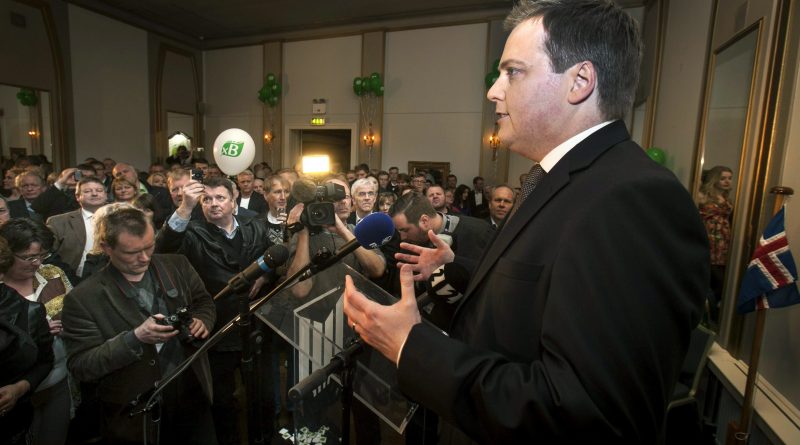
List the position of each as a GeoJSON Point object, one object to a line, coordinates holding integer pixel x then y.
{"type": "Point", "coordinates": [770, 278]}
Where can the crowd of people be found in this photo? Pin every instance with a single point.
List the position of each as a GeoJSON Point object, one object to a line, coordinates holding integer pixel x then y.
{"type": "Point", "coordinates": [104, 228]}
{"type": "Point", "coordinates": [560, 313]}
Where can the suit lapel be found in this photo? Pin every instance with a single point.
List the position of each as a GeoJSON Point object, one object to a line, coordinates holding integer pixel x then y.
{"type": "Point", "coordinates": [117, 299]}
{"type": "Point", "coordinates": [580, 157]}
{"type": "Point", "coordinates": [78, 226]}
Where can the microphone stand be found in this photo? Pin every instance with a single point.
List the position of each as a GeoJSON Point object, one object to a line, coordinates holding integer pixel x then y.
{"type": "Point", "coordinates": [237, 282]}
{"type": "Point", "coordinates": [342, 363]}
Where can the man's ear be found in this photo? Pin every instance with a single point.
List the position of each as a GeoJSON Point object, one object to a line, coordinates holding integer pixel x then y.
{"type": "Point", "coordinates": [584, 82]}
{"type": "Point", "coordinates": [424, 222]}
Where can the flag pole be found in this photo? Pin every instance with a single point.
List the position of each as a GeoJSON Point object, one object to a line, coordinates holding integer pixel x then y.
{"type": "Point", "coordinates": [740, 433]}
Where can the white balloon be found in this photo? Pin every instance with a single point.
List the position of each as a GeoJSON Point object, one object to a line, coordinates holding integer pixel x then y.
{"type": "Point", "coordinates": [234, 151]}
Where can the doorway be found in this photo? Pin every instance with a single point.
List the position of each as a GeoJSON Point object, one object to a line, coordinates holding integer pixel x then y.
{"type": "Point", "coordinates": [337, 143]}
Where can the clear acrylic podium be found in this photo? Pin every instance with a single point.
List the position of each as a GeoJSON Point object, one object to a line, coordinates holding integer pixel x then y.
{"type": "Point", "coordinates": [309, 316]}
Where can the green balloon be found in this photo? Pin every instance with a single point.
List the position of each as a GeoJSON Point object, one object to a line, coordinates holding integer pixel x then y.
{"type": "Point", "coordinates": [657, 155]}
{"type": "Point", "coordinates": [276, 88]}
{"type": "Point", "coordinates": [272, 100]}
{"type": "Point", "coordinates": [375, 82]}
{"type": "Point", "coordinates": [358, 89]}
{"type": "Point", "coordinates": [496, 65]}
{"type": "Point", "coordinates": [366, 85]}
{"type": "Point", "coordinates": [490, 79]}
{"type": "Point", "coordinates": [270, 79]}
{"type": "Point", "coordinates": [357, 81]}
{"type": "Point", "coordinates": [379, 91]}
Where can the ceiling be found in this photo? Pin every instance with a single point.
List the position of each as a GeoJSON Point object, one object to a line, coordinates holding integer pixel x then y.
{"type": "Point", "coordinates": [214, 23]}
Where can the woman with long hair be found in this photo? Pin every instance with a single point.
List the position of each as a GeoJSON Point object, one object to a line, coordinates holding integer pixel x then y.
{"type": "Point", "coordinates": [716, 208]}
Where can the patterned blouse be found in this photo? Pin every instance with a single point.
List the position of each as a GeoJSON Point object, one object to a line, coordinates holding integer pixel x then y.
{"type": "Point", "coordinates": [717, 219]}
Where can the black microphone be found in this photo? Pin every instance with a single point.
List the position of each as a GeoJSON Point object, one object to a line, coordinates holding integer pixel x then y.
{"type": "Point", "coordinates": [274, 257]}
{"type": "Point", "coordinates": [375, 230]}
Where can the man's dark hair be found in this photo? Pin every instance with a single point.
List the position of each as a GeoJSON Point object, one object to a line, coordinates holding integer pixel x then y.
{"type": "Point", "coordinates": [86, 180]}
{"type": "Point", "coordinates": [85, 167]}
{"type": "Point", "coordinates": [196, 161]}
{"type": "Point", "coordinates": [220, 182]}
{"type": "Point", "coordinates": [413, 205]}
{"type": "Point", "coordinates": [362, 167]}
{"type": "Point", "coordinates": [394, 168]}
{"type": "Point", "coordinates": [595, 30]}
{"type": "Point", "coordinates": [476, 179]}
{"type": "Point", "coordinates": [128, 220]}
{"type": "Point", "coordinates": [20, 233]}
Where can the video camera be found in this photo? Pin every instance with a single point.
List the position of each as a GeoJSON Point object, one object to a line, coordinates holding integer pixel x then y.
{"type": "Point", "coordinates": [320, 211]}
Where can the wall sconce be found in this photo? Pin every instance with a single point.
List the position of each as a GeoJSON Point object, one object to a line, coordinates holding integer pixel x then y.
{"type": "Point", "coordinates": [369, 139]}
{"type": "Point", "coordinates": [33, 133]}
{"type": "Point", "coordinates": [494, 142]}
{"type": "Point", "coordinates": [268, 136]}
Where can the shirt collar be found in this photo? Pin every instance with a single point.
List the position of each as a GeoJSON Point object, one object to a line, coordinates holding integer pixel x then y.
{"type": "Point", "coordinates": [86, 214]}
{"type": "Point", "coordinates": [555, 155]}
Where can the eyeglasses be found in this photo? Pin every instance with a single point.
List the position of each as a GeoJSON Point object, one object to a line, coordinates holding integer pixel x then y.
{"type": "Point", "coordinates": [34, 258]}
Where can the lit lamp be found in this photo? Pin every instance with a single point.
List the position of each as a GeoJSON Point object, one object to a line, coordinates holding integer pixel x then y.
{"type": "Point", "coordinates": [494, 142]}
{"type": "Point", "coordinates": [268, 136]}
{"type": "Point", "coordinates": [369, 139]}
{"type": "Point", "coordinates": [316, 165]}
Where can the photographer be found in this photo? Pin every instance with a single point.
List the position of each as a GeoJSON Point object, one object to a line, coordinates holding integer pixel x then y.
{"type": "Point", "coordinates": [305, 244]}
{"type": "Point", "coordinates": [220, 245]}
{"type": "Point", "coordinates": [114, 333]}
{"type": "Point", "coordinates": [60, 197]}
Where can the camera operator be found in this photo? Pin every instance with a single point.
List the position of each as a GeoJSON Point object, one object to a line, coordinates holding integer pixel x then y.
{"type": "Point", "coordinates": [114, 333]}
{"type": "Point", "coordinates": [304, 244]}
{"type": "Point", "coordinates": [220, 245]}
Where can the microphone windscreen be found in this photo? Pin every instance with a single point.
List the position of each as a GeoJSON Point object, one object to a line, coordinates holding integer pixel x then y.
{"type": "Point", "coordinates": [276, 255]}
{"type": "Point", "coordinates": [375, 230]}
{"type": "Point", "coordinates": [304, 190]}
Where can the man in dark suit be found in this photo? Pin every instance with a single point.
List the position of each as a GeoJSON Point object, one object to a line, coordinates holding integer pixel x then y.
{"type": "Point", "coordinates": [248, 198]}
{"type": "Point", "coordinates": [31, 185]}
{"type": "Point", "coordinates": [74, 230]}
{"type": "Point", "coordinates": [575, 324]}
{"type": "Point", "coordinates": [501, 202]}
{"type": "Point", "coordinates": [113, 334]}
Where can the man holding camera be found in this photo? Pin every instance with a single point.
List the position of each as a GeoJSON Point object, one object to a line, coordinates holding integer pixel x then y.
{"type": "Point", "coordinates": [220, 246]}
{"type": "Point", "coordinates": [115, 334]}
{"type": "Point", "coordinates": [308, 241]}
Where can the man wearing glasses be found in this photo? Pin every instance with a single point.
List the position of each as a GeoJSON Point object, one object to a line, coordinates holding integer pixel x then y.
{"type": "Point", "coordinates": [364, 195]}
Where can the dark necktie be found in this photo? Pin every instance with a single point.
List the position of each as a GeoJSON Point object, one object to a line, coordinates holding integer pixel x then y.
{"type": "Point", "coordinates": [535, 176]}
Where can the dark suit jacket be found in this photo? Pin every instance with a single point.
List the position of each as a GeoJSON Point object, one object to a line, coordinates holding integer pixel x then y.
{"type": "Point", "coordinates": [54, 202]}
{"type": "Point", "coordinates": [18, 209]}
{"type": "Point", "coordinates": [70, 236]}
{"type": "Point", "coordinates": [257, 203]}
{"type": "Point", "coordinates": [97, 316]}
{"type": "Point", "coordinates": [575, 324]}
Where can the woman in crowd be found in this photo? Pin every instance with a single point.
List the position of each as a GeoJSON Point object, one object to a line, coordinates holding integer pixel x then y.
{"type": "Point", "coordinates": [385, 201]}
{"type": "Point", "coordinates": [26, 352]}
{"type": "Point", "coordinates": [30, 243]}
{"type": "Point", "coordinates": [461, 200]}
{"type": "Point", "coordinates": [11, 191]}
{"type": "Point", "coordinates": [157, 180]}
{"type": "Point", "coordinates": [449, 199]}
{"type": "Point", "coordinates": [716, 209]}
{"type": "Point", "coordinates": [123, 190]}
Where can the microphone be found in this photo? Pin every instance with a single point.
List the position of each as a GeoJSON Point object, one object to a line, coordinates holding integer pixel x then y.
{"type": "Point", "coordinates": [274, 257]}
{"type": "Point", "coordinates": [304, 190]}
{"type": "Point", "coordinates": [375, 230]}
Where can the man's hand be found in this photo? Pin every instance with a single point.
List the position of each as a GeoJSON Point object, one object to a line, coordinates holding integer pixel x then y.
{"type": "Point", "coordinates": [192, 193]}
{"type": "Point", "coordinates": [425, 260]}
{"type": "Point", "coordinates": [66, 180]}
{"type": "Point", "coordinates": [385, 328]}
{"type": "Point", "coordinates": [151, 332]}
{"type": "Point", "coordinates": [9, 395]}
{"type": "Point", "coordinates": [257, 285]}
{"type": "Point", "coordinates": [340, 228]}
{"type": "Point", "coordinates": [198, 329]}
{"type": "Point", "coordinates": [55, 327]}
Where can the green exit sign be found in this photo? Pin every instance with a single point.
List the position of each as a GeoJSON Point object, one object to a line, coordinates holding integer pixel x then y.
{"type": "Point", "coordinates": [317, 121]}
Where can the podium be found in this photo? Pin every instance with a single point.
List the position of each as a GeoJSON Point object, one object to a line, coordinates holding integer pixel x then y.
{"type": "Point", "coordinates": [309, 316]}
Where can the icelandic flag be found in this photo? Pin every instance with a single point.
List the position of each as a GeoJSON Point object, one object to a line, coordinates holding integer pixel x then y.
{"type": "Point", "coordinates": [770, 279]}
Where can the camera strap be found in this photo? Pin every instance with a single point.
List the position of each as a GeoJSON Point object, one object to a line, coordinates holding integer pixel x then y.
{"type": "Point", "coordinates": [450, 224]}
{"type": "Point", "coordinates": [139, 293]}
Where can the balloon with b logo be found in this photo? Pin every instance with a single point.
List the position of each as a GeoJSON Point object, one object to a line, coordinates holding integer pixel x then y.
{"type": "Point", "coordinates": [234, 151]}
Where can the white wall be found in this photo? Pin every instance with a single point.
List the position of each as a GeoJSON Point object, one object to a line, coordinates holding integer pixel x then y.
{"type": "Point", "coordinates": [110, 85]}
{"type": "Point", "coordinates": [320, 69]}
{"type": "Point", "coordinates": [232, 79]}
{"type": "Point", "coordinates": [434, 96]}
